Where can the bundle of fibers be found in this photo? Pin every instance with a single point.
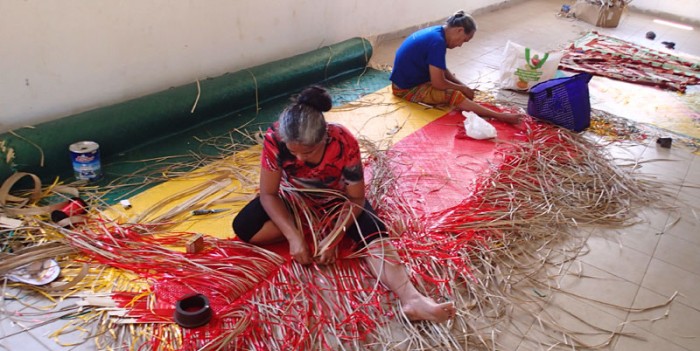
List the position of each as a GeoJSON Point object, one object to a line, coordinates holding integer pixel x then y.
{"type": "Point", "coordinates": [260, 299]}
{"type": "Point", "coordinates": [494, 255]}
{"type": "Point", "coordinates": [499, 253]}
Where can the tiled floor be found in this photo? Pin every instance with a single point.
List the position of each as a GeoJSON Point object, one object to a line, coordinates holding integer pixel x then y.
{"type": "Point", "coordinates": [638, 267]}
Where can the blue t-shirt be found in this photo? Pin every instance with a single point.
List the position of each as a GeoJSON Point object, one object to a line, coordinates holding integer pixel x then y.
{"type": "Point", "coordinates": [420, 49]}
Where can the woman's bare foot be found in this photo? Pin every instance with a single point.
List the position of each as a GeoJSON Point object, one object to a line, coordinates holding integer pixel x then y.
{"type": "Point", "coordinates": [512, 118]}
{"type": "Point", "coordinates": [425, 308]}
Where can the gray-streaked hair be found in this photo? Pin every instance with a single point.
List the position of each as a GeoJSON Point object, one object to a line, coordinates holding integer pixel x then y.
{"type": "Point", "coordinates": [464, 20]}
{"type": "Point", "coordinates": [303, 121]}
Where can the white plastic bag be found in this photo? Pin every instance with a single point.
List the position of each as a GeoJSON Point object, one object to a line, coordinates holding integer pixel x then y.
{"type": "Point", "coordinates": [477, 128]}
{"type": "Point", "coordinates": [523, 67]}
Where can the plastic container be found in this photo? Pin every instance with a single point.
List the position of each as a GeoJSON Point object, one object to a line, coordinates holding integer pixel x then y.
{"type": "Point", "coordinates": [562, 101]}
{"type": "Point", "coordinates": [85, 156]}
{"type": "Point", "coordinates": [193, 311]}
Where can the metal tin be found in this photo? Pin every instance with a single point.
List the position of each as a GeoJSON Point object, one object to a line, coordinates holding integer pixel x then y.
{"type": "Point", "coordinates": [86, 160]}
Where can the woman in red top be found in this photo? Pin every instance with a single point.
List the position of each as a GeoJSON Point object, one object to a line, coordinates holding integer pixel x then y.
{"type": "Point", "coordinates": [301, 151]}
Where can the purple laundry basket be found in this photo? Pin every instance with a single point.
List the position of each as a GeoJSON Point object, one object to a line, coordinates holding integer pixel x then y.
{"type": "Point", "coordinates": [562, 101]}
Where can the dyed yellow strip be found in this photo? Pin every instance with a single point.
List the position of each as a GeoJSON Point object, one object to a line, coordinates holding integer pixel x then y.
{"type": "Point", "coordinates": [378, 117]}
{"type": "Point", "coordinates": [230, 182]}
{"type": "Point", "coordinates": [381, 116]}
{"type": "Point", "coordinates": [644, 104]}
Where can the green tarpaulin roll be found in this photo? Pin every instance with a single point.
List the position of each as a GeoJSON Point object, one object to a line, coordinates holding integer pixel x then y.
{"type": "Point", "coordinates": [126, 125]}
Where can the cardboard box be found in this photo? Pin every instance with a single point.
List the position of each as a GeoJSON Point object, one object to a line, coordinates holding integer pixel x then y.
{"type": "Point", "coordinates": [599, 15]}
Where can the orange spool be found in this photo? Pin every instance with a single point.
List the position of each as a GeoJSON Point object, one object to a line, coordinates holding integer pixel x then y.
{"type": "Point", "coordinates": [73, 207]}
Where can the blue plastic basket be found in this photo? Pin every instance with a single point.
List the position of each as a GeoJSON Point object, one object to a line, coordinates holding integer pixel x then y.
{"type": "Point", "coordinates": [562, 101]}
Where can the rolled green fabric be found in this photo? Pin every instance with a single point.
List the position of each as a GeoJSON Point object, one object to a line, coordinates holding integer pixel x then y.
{"type": "Point", "coordinates": [126, 125]}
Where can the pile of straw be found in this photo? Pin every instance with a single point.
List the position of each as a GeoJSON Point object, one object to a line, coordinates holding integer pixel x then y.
{"type": "Point", "coordinates": [496, 255]}
{"type": "Point", "coordinates": [499, 253]}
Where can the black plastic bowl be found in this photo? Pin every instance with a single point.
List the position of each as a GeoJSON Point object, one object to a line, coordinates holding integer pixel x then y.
{"type": "Point", "coordinates": [193, 311]}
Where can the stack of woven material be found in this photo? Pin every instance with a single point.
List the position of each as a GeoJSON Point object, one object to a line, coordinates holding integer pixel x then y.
{"type": "Point", "coordinates": [615, 58]}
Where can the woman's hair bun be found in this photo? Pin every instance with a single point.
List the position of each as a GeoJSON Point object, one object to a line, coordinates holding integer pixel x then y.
{"type": "Point", "coordinates": [316, 97]}
{"type": "Point", "coordinates": [462, 19]}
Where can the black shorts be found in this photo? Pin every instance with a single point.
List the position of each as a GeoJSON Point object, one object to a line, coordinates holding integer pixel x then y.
{"type": "Point", "coordinates": [252, 217]}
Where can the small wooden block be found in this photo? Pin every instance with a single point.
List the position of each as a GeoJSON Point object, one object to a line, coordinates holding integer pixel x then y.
{"type": "Point", "coordinates": [195, 244]}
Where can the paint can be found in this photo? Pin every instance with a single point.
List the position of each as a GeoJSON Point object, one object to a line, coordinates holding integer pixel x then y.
{"type": "Point", "coordinates": [86, 160]}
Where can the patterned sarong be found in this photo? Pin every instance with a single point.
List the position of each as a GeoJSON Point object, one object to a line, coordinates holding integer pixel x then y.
{"type": "Point", "coordinates": [425, 93]}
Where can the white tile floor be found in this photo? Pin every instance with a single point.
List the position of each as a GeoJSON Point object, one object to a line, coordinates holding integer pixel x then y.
{"type": "Point", "coordinates": [640, 266]}
{"type": "Point", "coordinates": [637, 267]}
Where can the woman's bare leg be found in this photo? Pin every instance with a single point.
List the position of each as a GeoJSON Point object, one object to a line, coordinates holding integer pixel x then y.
{"type": "Point", "coordinates": [469, 105]}
{"type": "Point", "coordinates": [415, 305]}
{"type": "Point", "coordinates": [268, 234]}
{"type": "Point", "coordinates": [382, 258]}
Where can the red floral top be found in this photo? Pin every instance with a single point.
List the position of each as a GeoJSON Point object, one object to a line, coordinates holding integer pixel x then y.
{"type": "Point", "coordinates": [340, 166]}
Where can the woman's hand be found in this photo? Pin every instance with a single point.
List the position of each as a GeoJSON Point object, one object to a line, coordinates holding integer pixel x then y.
{"type": "Point", "coordinates": [468, 92]}
{"type": "Point", "coordinates": [300, 251]}
{"type": "Point", "coordinates": [329, 256]}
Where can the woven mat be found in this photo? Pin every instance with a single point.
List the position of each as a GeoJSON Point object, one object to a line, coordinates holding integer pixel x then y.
{"type": "Point", "coordinates": [615, 58]}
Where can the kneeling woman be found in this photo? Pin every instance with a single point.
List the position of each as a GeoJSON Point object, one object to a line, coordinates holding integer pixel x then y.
{"type": "Point", "coordinates": [301, 151]}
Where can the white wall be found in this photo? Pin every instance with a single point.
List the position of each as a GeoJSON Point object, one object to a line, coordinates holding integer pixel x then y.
{"type": "Point", "coordinates": [685, 10]}
{"type": "Point", "coordinates": [63, 57]}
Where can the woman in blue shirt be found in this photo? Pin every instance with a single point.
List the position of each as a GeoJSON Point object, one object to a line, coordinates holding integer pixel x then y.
{"type": "Point", "coordinates": [420, 71]}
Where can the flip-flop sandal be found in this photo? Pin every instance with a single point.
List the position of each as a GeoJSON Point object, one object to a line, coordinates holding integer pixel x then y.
{"type": "Point", "coordinates": [36, 273]}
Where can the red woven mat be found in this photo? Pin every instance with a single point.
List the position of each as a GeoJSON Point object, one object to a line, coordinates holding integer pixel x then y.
{"type": "Point", "coordinates": [260, 301]}
{"type": "Point", "coordinates": [438, 164]}
{"type": "Point", "coordinates": [615, 58]}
